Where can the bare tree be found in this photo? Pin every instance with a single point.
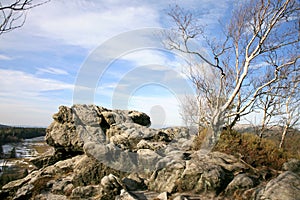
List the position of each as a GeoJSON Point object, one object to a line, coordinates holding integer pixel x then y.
{"type": "Point", "coordinates": [261, 37]}
{"type": "Point", "coordinates": [290, 106]}
{"type": "Point", "coordinates": [13, 13]}
{"type": "Point", "coordinates": [268, 104]}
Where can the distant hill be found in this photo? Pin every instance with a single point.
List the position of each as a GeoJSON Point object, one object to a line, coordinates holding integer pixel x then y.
{"type": "Point", "coordinates": [4, 126]}
{"type": "Point", "coordinates": [10, 134]}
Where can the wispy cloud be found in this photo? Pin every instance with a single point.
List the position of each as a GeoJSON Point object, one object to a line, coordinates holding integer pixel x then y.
{"type": "Point", "coordinates": [18, 83]}
{"type": "Point", "coordinates": [90, 24]}
{"type": "Point", "coordinates": [5, 57]}
{"type": "Point", "coordinates": [51, 70]}
{"type": "Point", "coordinates": [23, 100]}
{"type": "Point", "coordinates": [66, 31]}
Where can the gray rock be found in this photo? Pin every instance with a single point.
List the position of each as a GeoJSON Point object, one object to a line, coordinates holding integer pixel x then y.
{"type": "Point", "coordinates": [147, 159]}
{"type": "Point", "coordinates": [63, 177]}
{"type": "Point", "coordinates": [50, 196]}
{"type": "Point", "coordinates": [92, 143]}
{"type": "Point", "coordinates": [180, 197]}
{"type": "Point", "coordinates": [134, 182]}
{"type": "Point", "coordinates": [154, 146]}
{"type": "Point", "coordinates": [286, 186]}
{"type": "Point", "coordinates": [62, 186]}
{"type": "Point", "coordinates": [140, 118]}
{"type": "Point", "coordinates": [80, 124]}
{"type": "Point", "coordinates": [24, 192]}
{"type": "Point", "coordinates": [163, 196]}
{"type": "Point", "coordinates": [127, 135]}
{"type": "Point", "coordinates": [201, 173]}
{"type": "Point", "coordinates": [177, 132]}
{"type": "Point", "coordinates": [111, 186]}
{"type": "Point", "coordinates": [86, 192]}
{"type": "Point", "coordinates": [241, 181]}
{"type": "Point", "coordinates": [125, 196]}
{"type": "Point", "coordinates": [292, 165]}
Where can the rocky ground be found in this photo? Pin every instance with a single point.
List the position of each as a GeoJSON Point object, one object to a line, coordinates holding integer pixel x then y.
{"type": "Point", "coordinates": [113, 154]}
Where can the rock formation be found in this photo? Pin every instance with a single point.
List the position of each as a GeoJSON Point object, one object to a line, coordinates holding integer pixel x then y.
{"type": "Point", "coordinates": [113, 154]}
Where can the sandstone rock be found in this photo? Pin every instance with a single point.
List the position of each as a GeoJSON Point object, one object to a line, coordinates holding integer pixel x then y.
{"type": "Point", "coordinates": [292, 165]}
{"type": "Point", "coordinates": [162, 196]}
{"type": "Point", "coordinates": [50, 196]}
{"type": "Point", "coordinates": [75, 126]}
{"type": "Point", "coordinates": [89, 171]}
{"type": "Point", "coordinates": [125, 196]}
{"type": "Point", "coordinates": [64, 115]}
{"type": "Point", "coordinates": [92, 143]}
{"type": "Point", "coordinates": [134, 182]}
{"type": "Point", "coordinates": [177, 132]}
{"type": "Point", "coordinates": [111, 186]}
{"type": "Point", "coordinates": [51, 158]}
{"type": "Point", "coordinates": [140, 118]}
{"type": "Point", "coordinates": [127, 135]}
{"type": "Point", "coordinates": [43, 180]}
{"type": "Point", "coordinates": [154, 146]}
{"type": "Point", "coordinates": [147, 159]}
{"type": "Point", "coordinates": [62, 177]}
{"type": "Point", "coordinates": [62, 186]}
{"type": "Point", "coordinates": [115, 138]}
{"type": "Point", "coordinates": [180, 197]}
{"type": "Point", "coordinates": [241, 181]}
{"type": "Point", "coordinates": [24, 192]}
{"type": "Point", "coordinates": [286, 186]}
{"type": "Point", "coordinates": [208, 172]}
{"type": "Point", "coordinates": [112, 156]}
{"type": "Point", "coordinates": [86, 192]}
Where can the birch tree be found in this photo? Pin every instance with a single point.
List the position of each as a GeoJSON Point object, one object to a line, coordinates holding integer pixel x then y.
{"type": "Point", "coordinates": [290, 104]}
{"type": "Point", "coordinates": [260, 36]}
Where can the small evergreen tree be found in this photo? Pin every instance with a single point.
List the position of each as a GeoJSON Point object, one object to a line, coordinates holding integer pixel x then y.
{"type": "Point", "coordinates": [13, 153]}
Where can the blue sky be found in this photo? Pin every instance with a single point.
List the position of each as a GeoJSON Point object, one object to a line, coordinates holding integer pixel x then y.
{"type": "Point", "coordinates": [42, 62]}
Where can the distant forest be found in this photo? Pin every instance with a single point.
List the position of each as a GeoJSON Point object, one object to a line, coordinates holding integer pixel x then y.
{"type": "Point", "coordinates": [10, 134]}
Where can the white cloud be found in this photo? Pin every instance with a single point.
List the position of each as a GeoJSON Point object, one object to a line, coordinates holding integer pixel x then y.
{"type": "Point", "coordinates": [71, 28]}
{"type": "Point", "coordinates": [5, 57]}
{"type": "Point", "coordinates": [88, 23]}
{"type": "Point", "coordinates": [18, 83]}
{"type": "Point", "coordinates": [51, 70]}
{"type": "Point", "coordinates": [23, 112]}
{"type": "Point", "coordinates": [22, 98]}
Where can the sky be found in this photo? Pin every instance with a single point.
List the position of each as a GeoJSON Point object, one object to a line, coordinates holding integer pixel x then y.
{"type": "Point", "coordinates": [99, 52]}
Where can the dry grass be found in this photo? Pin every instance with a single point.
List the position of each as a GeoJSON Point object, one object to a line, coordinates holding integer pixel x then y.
{"type": "Point", "coordinates": [41, 149]}
{"type": "Point", "coordinates": [255, 151]}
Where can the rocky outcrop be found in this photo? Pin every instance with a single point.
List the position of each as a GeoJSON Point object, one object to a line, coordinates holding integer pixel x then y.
{"type": "Point", "coordinates": [107, 154]}
{"type": "Point", "coordinates": [286, 186]}
{"type": "Point", "coordinates": [200, 173]}
{"type": "Point", "coordinates": [80, 176]}
{"type": "Point", "coordinates": [74, 126]}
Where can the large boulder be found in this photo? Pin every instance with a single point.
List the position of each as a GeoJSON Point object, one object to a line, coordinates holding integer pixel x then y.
{"type": "Point", "coordinates": [80, 175]}
{"type": "Point", "coordinates": [292, 165]}
{"type": "Point", "coordinates": [199, 173]}
{"type": "Point", "coordinates": [120, 139]}
{"type": "Point", "coordinates": [240, 182]}
{"type": "Point", "coordinates": [286, 186]}
{"type": "Point", "coordinates": [73, 127]}
{"type": "Point", "coordinates": [109, 187]}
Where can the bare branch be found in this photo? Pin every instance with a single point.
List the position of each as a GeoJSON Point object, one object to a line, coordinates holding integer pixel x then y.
{"type": "Point", "coordinates": [13, 15]}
